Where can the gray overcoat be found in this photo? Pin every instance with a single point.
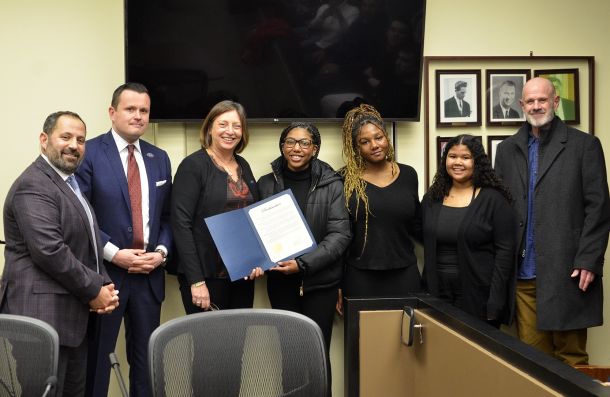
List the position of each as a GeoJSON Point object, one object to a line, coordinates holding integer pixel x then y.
{"type": "Point", "coordinates": [572, 220]}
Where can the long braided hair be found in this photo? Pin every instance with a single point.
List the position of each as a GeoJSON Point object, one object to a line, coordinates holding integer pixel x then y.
{"type": "Point", "coordinates": [353, 184]}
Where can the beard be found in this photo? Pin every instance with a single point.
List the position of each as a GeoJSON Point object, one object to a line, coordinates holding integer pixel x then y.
{"type": "Point", "coordinates": [548, 117]}
{"type": "Point", "coordinates": [65, 166]}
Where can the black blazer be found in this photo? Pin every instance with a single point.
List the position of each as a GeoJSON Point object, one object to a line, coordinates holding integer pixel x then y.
{"type": "Point", "coordinates": [199, 191]}
{"type": "Point", "coordinates": [486, 254]}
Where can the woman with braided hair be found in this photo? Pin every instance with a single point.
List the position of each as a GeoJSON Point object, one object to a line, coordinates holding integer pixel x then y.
{"type": "Point", "coordinates": [384, 208]}
{"type": "Point", "coordinates": [469, 229]}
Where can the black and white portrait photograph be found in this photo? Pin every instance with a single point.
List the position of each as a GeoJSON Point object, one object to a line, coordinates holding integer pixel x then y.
{"type": "Point", "coordinates": [457, 98]}
{"type": "Point", "coordinates": [504, 88]}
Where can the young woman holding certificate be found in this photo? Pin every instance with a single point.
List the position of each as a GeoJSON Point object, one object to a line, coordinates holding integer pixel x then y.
{"type": "Point", "coordinates": [212, 180]}
{"type": "Point", "coordinates": [308, 284]}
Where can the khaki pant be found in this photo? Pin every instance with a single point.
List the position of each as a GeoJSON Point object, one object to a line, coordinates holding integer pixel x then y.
{"type": "Point", "coordinates": [568, 346]}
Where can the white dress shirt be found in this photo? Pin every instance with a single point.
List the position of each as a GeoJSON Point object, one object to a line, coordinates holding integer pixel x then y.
{"type": "Point", "coordinates": [110, 249]}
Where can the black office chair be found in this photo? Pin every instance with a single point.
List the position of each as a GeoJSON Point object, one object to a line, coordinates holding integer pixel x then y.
{"type": "Point", "coordinates": [240, 352]}
{"type": "Point", "coordinates": [29, 352]}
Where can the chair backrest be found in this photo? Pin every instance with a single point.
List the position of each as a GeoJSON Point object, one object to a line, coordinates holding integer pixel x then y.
{"type": "Point", "coordinates": [29, 352]}
{"type": "Point", "coordinates": [240, 352]}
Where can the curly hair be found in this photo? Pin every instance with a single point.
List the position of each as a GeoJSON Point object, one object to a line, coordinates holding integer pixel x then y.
{"type": "Point", "coordinates": [483, 174]}
{"type": "Point", "coordinates": [355, 165]}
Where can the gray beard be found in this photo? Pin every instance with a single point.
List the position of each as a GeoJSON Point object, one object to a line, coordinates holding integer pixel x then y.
{"type": "Point", "coordinates": [548, 117]}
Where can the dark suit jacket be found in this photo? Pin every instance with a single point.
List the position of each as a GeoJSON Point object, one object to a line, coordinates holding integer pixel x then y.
{"type": "Point", "coordinates": [200, 191]}
{"type": "Point", "coordinates": [498, 113]}
{"type": "Point", "coordinates": [572, 215]}
{"type": "Point", "coordinates": [102, 179]}
{"type": "Point", "coordinates": [486, 254]}
{"type": "Point", "coordinates": [569, 109]}
{"type": "Point", "coordinates": [452, 110]}
{"type": "Point", "coordinates": [50, 270]}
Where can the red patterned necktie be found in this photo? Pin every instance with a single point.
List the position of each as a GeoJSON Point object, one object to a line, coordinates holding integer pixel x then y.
{"type": "Point", "coordinates": [135, 196]}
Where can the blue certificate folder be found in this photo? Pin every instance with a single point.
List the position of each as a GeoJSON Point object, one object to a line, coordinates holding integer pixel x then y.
{"type": "Point", "coordinates": [237, 234]}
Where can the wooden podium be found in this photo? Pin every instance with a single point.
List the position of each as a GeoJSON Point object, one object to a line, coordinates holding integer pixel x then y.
{"type": "Point", "coordinates": [452, 354]}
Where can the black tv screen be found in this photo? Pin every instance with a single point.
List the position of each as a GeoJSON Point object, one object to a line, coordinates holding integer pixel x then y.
{"type": "Point", "coordinates": [281, 59]}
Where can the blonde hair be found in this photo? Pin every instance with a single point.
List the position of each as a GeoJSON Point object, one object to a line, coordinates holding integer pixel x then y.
{"type": "Point", "coordinates": [353, 184]}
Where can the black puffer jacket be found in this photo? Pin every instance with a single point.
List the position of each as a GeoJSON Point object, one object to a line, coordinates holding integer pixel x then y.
{"type": "Point", "coordinates": [327, 218]}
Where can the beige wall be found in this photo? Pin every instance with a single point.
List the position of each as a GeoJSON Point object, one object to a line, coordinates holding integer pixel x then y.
{"type": "Point", "coordinates": [68, 54]}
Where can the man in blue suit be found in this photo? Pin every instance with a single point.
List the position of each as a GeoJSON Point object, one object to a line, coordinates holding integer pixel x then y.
{"type": "Point", "coordinates": [128, 182]}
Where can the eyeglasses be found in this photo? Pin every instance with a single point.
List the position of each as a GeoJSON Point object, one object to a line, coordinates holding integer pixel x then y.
{"type": "Point", "coordinates": [303, 143]}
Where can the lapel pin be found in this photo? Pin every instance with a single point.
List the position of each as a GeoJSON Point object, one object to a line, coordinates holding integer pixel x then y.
{"type": "Point", "coordinates": [150, 155]}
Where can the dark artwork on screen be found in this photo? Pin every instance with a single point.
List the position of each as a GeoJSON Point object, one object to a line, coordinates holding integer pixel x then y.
{"type": "Point", "coordinates": [282, 59]}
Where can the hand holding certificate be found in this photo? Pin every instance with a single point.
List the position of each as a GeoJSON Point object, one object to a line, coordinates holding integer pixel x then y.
{"type": "Point", "coordinates": [261, 234]}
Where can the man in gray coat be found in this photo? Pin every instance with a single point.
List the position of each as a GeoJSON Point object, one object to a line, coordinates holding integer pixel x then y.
{"type": "Point", "coordinates": [557, 177]}
{"type": "Point", "coordinates": [53, 257]}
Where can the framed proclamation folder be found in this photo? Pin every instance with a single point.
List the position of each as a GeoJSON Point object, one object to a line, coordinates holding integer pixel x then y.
{"type": "Point", "coordinates": [261, 234]}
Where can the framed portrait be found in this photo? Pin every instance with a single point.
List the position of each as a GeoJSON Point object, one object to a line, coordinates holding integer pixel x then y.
{"type": "Point", "coordinates": [503, 91]}
{"type": "Point", "coordinates": [567, 88]}
{"type": "Point", "coordinates": [492, 146]}
{"type": "Point", "coordinates": [458, 98]}
{"type": "Point", "coordinates": [576, 75]}
{"type": "Point", "coordinates": [441, 142]}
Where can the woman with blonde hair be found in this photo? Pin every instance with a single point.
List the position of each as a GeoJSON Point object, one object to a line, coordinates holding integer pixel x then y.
{"type": "Point", "coordinates": [384, 208]}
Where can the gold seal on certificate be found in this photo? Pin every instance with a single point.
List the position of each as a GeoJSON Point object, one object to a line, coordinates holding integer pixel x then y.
{"type": "Point", "coordinates": [261, 234]}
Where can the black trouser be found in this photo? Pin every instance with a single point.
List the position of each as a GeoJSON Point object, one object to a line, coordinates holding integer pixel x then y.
{"type": "Point", "coordinates": [319, 305]}
{"type": "Point", "coordinates": [218, 368]}
{"type": "Point", "coordinates": [364, 283]}
{"type": "Point", "coordinates": [71, 370]}
{"type": "Point", "coordinates": [223, 293]}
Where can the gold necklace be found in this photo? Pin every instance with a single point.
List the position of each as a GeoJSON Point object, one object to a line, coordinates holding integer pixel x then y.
{"type": "Point", "coordinates": [216, 158]}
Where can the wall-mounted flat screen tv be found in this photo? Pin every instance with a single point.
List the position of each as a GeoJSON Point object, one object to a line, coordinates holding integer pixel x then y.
{"type": "Point", "coordinates": [281, 59]}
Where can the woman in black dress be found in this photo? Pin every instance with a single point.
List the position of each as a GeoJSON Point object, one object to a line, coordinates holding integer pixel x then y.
{"type": "Point", "coordinates": [384, 208]}
{"type": "Point", "coordinates": [469, 229]}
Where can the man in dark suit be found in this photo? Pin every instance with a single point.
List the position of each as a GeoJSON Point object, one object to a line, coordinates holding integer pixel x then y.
{"type": "Point", "coordinates": [557, 176]}
{"type": "Point", "coordinates": [53, 257]}
{"type": "Point", "coordinates": [128, 182]}
{"type": "Point", "coordinates": [456, 106]}
{"type": "Point", "coordinates": [506, 98]}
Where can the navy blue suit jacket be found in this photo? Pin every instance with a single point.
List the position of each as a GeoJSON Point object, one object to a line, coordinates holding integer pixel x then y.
{"type": "Point", "coordinates": [102, 179]}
